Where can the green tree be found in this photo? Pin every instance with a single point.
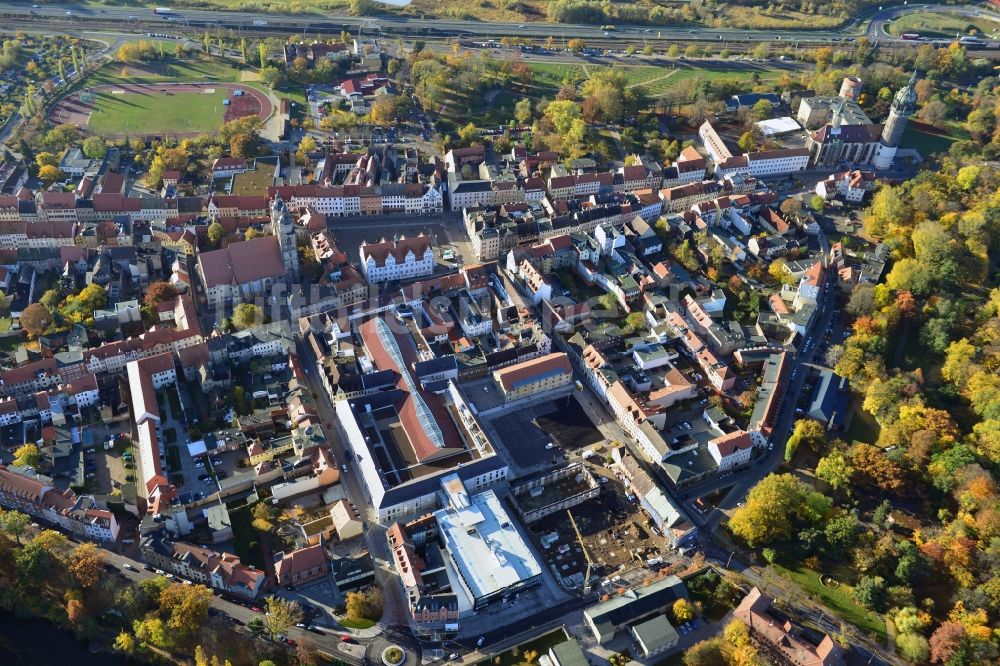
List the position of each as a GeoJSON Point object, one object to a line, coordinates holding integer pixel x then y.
{"type": "Point", "coordinates": [94, 147]}
{"type": "Point", "coordinates": [282, 614]}
{"type": "Point", "coordinates": [674, 51]}
{"type": "Point", "coordinates": [836, 470]}
{"type": "Point", "coordinates": [808, 432]}
{"type": "Point", "coordinates": [523, 111]}
{"type": "Point", "coordinates": [14, 523]}
{"type": "Point", "coordinates": [762, 110]}
{"type": "Point", "coordinates": [870, 592]}
{"type": "Point", "coordinates": [216, 232]}
{"type": "Point", "coordinates": [262, 55]}
{"type": "Point", "coordinates": [774, 507]}
{"type": "Point", "coordinates": [914, 648]}
{"type": "Point", "coordinates": [817, 203]}
{"type": "Point", "coordinates": [246, 315]}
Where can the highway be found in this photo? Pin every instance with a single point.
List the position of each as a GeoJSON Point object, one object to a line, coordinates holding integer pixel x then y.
{"type": "Point", "coordinates": [870, 22]}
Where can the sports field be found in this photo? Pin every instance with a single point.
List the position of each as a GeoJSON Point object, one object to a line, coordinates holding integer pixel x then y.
{"type": "Point", "coordinates": [157, 112]}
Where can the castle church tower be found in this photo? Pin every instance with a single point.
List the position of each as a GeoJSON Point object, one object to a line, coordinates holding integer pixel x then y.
{"type": "Point", "coordinates": [903, 105]}
{"type": "Point", "coordinates": [284, 230]}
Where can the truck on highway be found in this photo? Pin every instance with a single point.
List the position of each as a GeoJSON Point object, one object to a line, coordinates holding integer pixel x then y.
{"type": "Point", "coordinates": [910, 36]}
{"type": "Point", "coordinates": [259, 22]}
{"type": "Point", "coordinates": [163, 10]}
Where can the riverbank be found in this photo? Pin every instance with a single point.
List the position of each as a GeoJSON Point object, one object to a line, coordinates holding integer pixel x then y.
{"type": "Point", "coordinates": [32, 642]}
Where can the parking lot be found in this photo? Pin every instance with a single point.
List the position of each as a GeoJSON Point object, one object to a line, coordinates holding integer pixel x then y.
{"type": "Point", "coordinates": [542, 435]}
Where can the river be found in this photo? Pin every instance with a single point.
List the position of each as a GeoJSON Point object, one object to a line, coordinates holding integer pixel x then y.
{"type": "Point", "coordinates": [38, 643]}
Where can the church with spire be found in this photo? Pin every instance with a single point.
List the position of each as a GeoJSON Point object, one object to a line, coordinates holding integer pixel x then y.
{"type": "Point", "coordinates": [283, 228]}
{"type": "Point", "coordinates": [846, 141]}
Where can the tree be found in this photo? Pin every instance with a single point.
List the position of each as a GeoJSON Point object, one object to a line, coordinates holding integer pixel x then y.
{"type": "Point", "coordinates": [674, 51]}
{"type": "Point", "coordinates": [774, 506]}
{"type": "Point", "coordinates": [792, 206]}
{"type": "Point", "coordinates": [635, 321]}
{"type": "Point", "coordinates": [809, 432]}
{"type": "Point", "coordinates": [151, 631]}
{"type": "Point", "coordinates": [14, 523]}
{"type": "Point", "coordinates": [948, 643]}
{"type": "Point", "coordinates": [914, 648]}
{"type": "Point", "coordinates": [683, 611]}
{"type": "Point", "coordinates": [762, 110]}
{"type": "Point", "coordinates": [216, 232]}
{"type": "Point", "coordinates": [876, 468]}
{"type": "Point", "coordinates": [187, 606]}
{"type": "Point", "coordinates": [49, 174]}
{"type": "Point", "coordinates": [705, 653]}
{"type": "Point", "coordinates": [737, 648]}
{"type": "Point", "coordinates": [27, 455]}
{"type": "Point", "coordinates": [817, 203]}
{"type": "Point", "coordinates": [35, 319]}
{"type": "Point", "coordinates": [364, 605]}
{"type": "Point", "coordinates": [935, 112]}
{"type": "Point", "coordinates": [523, 111]}
{"type": "Point", "coordinates": [74, 611]}
{"type": "Point", "coordinates": [307, 146]}
{"type": "Point", "coordinates": [869, 591]}
{"type": "Point", "coordinates": [246, 315]}
{"type": "Point", "coordinates": [282, 614]}
{"type": "Point", "coordinates": [747, 142]}
{"type": "Point", "coordinates": [125, 642]}
{"type": "Point", "coordinates": [384, 110]}
{"type": "Point", "coordinates": [836, 470]}
{"type": "Point", "coordinates": [46, 159]}
{"type": "Point", "coordinates": [159, 292]}
{"type": "Point", "coordinates": [94, 147]}
{"type": "Point", "coordinates": [576, 45]}
{"type": "Point", "coordinates": [86, 564]}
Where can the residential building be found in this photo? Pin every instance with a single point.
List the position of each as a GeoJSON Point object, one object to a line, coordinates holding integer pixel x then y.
{"type": "Point", "coordinates": [301, 566]}
{"type": "Point", "coordinates": [540, 375]}
{"type": "Point", "coordinates": [219, 570]}
{"type": "Point", "coordinates": [781, 641]}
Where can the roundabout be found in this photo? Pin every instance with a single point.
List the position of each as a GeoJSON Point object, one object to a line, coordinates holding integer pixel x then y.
{"type": "Point", "coordinates": [393, 655]}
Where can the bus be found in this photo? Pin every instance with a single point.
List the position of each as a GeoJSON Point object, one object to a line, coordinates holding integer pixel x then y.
{"type": "Point", "coordinates": [910, 36]}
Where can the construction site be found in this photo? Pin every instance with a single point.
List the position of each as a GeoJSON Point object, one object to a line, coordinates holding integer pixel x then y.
{"type": "Point", "coordinates": [617, 535]}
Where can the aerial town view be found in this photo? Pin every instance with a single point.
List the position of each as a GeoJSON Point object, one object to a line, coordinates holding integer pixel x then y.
{"type": "Point", "coordinates": [499, 333]}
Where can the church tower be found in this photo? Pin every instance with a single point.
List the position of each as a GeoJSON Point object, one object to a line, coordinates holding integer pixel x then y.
{"type": "Point", "coordinates": [284, 230]}
{"type": "Point", "coordinates": [903, 105]}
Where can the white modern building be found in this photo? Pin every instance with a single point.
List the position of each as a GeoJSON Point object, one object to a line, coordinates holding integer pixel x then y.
{"type": "Point", "coordinates": [490, 555]}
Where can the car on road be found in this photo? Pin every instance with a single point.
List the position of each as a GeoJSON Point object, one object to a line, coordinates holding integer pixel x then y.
{"type": "Point", "coordinates": [479, 643]}
{"type": "Point", "coordinates": [345, 638]}
{"type": "Point", "coordinates": [128, 566]}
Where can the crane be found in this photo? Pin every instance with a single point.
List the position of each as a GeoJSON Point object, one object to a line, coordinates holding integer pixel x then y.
{"type": "Point", "coordinates": [586, 555]}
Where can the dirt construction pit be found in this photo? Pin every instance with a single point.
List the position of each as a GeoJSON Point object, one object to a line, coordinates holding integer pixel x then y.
{"type": "Point", "coordinates": [616, 532]}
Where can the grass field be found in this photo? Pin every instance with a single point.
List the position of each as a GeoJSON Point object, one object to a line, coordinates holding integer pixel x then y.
{"type": "Point", "coordinates": [838, 598]}
{"type": "Point", "coordinates": [213, 69]}
{"type": "Point", "coordinates": [943, 25]}
{"type": "Point", "coordinates": [655, 80]}
{"type": "Point", "coordinates": [156, 112]}
{"type": "Point", "coordinates": [929, 144]}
